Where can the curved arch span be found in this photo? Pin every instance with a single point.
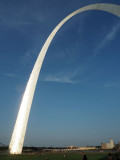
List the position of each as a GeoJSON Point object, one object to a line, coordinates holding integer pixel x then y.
{"type": "Point", "coordinates": [18, 135]}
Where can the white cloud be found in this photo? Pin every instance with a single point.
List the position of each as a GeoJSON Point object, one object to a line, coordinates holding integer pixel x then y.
{"type": "Point", "coordinates": [60, 77]}
{"type": "Point", "coordinates": [112, 84]}
{"type": "Point", "coordinates": [31, 54]}
{"type": "Point", "coordinates": [65, 77]}
{"type": "Point", "coordinates": [10, 19]}
{"type": "Point", "coordinates": [9, 74]}
{"type": "Point", "coordinates": [19, 15]}
{"type": "Point", "coordinates": [108, 38]}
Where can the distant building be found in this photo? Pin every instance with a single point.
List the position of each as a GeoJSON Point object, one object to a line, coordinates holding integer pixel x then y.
{"type": "Point", "coordinates": [86, 148]}
{"type": "Point", "coordinates": [79, 148]}
{"type": "Point", "coordinates": [109, 145]}
{"type": "Point", "coordinates": [71, 147]}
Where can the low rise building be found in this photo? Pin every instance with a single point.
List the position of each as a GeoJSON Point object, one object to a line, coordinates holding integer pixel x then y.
{"type": "Point", "coordinates": [71, 147]}
{"type": "Point", "coordinates": [86, 148]}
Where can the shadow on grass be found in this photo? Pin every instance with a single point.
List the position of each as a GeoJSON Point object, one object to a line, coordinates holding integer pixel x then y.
{"type": "Point", "coordinates": [105, 158]}
{"type": "Point", "coordinates": [114, 156]}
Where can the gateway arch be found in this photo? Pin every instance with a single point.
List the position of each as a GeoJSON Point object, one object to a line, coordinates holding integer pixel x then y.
{"type": "Point", "coordinates": [19, 131]}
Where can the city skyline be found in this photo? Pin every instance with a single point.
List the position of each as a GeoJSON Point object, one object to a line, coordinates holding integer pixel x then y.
{"type": "Point", "coordinates": [74, 81]}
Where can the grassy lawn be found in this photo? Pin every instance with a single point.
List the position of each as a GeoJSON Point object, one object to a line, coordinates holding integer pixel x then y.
{"type": "Point", "coordinates": [56, 156]}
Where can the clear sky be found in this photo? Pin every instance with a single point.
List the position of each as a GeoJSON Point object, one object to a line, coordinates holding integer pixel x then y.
{"type": "Point", "coordinates": [77, 99]}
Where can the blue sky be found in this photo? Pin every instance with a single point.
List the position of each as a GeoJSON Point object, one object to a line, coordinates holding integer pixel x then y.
{"type": "Point", "coordinates": [77, 99]}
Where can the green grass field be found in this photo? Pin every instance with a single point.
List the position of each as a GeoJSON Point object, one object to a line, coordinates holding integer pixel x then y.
{"type": "Point", "coordinates": [57, 156]}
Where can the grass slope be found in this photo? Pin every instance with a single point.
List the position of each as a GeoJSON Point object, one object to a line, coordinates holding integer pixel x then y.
{"type": "Point", "coordinates": [56, 156]}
